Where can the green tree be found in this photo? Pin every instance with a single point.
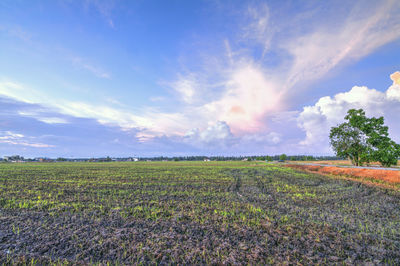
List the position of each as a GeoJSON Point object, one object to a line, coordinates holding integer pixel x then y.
{"type": "Point", "coordinates": [349, 142]}
{"type": "Point", "coordinates": [269, 158]}
{"type": "Point", "coordinates": [363, 140]}
{"type": "Point", "coordinates": [283, 157]}
{"type": "Point", "coordinates": [384, 150]}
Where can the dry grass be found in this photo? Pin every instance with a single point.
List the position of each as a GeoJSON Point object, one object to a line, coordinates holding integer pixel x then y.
{"type": "Point", "coordinates": [392, 176]}
{"type": "Point", "coordinates": [331, 162]}
{"type": "Point", "coordinates": [343, 162]}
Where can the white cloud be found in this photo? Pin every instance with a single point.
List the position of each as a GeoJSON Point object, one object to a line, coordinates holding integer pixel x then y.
{"type": "Point", "coordinates": [186, 88]}
{"type": "Point", "coordinates": [317, 120]}
{"type": "Point", "coordinates": [10, 135]}
{"type": "Point", "coordinates": [151, 122]}
{"type": "Point", "coordinates": [53, 120]}
{"type": "Point", "coordinates": [43, 117]}
{"type": "Point", "coordinates": [18, 91]}
{"type": "Point", "coordinates": [395, 77]}
{"type": "Point", "coordinates": [393, 92]}
{"type": "Point", "coordinates": [12, 138]}
{"type": "Point", "coordinates": [216, 134]}
{"type": "Point", "coordinates": [249, 95]}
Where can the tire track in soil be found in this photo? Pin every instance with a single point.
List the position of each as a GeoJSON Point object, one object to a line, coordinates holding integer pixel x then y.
{"type": "Point", "coordinates": [247, 187]}
{"type": "Point", "coordinates": [237, 183]}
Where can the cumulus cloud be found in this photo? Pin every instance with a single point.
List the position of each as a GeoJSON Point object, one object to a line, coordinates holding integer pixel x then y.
{"type": "Point", "coordinates": [395, 77]}
{"type": "Point", "coordinates": [216, 134]}
{"type": "Point", "coordinates": [328, 111]}
{"type": "Point", "coordinates": [249, 95]}
{"type": "Point", "coordinates": [218, 137]}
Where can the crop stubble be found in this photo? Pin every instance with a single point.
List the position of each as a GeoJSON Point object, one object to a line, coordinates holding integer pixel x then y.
{"type": "Point", "coordinates": [192, 212]}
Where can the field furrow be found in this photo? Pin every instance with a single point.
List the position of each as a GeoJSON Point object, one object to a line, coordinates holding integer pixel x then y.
{"type": "Point", "coordinates": [192, 213]}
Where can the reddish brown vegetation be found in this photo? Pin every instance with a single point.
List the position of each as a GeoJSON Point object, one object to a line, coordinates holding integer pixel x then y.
{"type": "Point", "coordinates": [392, 176]}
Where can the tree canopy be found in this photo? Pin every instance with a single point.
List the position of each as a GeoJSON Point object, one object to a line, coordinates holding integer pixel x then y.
{"type": "Point", "coordinates": [283, 157]}
{"type": "Point", "coordinates": [363, 139]}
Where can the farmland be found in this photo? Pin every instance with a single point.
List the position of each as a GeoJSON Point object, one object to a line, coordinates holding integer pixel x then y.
{"type": "Point", "coordinates": [192, 212]}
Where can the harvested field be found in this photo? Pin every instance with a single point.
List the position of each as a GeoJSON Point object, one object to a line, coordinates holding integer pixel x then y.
{"type": "Point", "coordinates": [392, 176]}
{"type": "Point", "coordinates": [192, 213]}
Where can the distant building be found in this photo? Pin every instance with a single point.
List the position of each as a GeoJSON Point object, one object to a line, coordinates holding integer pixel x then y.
{"type": "Point", "coordinates": [206, 160]}
{"type": "Point", "coordinates": [135, 159]}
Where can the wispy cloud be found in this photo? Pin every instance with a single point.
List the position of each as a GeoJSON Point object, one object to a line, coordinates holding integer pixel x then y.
{"type": "Point", "coordinates": [44, 117]}
{"type": "Point", "coordinates": [20, 92]}
{"type": "Point", "coordinates": [96, 70]}
{"type": "Point", "coordinates": [150, 121]}
{"type": "Point", "coordinates": [12, 138]}
{"type": "Point", "coordinates": [258, 29]}
{"type": "Point", "coordinates": [327, 46]}
{"type": "Point", "coordinates": [186, 88]}
{"type": "Point", "coordinates": [104, 7]}
{"type": "Point", "coordinates": [17, 31]}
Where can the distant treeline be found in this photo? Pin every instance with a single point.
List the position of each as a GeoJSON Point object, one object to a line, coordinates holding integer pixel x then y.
{"type": "Point", "coordinates": [281, 157]}
{"type": "Point", "coordinates": [244, 158]}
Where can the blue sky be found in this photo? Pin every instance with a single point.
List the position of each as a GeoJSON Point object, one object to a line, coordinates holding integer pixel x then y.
{"type": "Point", "coordinates": [147, 78]}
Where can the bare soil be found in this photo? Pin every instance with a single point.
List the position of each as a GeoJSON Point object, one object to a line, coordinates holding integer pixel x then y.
{"type": "Point", "coordinates": [185, 213]}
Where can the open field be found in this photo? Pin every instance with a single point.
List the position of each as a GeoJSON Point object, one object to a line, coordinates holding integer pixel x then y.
{"type": "Point", "coordinates": [192, 212]}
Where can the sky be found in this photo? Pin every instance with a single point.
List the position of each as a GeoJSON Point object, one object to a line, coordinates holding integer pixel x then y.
{"type": "Point", "coordinates": [96, 78]}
